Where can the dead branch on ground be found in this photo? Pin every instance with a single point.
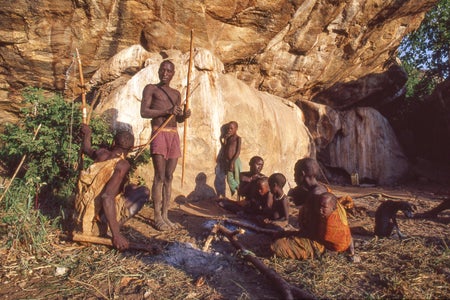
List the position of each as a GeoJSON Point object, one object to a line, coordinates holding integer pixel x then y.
{"type": "Point", "coordinates": [288, 291]}
{"type": "Point", "coordinates": [152, 249]}
{"type": "Point", "coordinates": [252, 227]}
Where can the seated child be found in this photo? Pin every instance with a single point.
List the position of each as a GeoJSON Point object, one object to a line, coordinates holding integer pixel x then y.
{"type": "Point", "coordinates": [306, 172]}
{"type": "Point", "coordinates": [261, 202]}
{"type": "Point", "coordinates": [247, 180]}
{"type": "Point", "coordinates": [334, 231]}
{"type": "Point", "coordinates": [257, 205]}
{"type": "Point", "coordinates": [278, 212]}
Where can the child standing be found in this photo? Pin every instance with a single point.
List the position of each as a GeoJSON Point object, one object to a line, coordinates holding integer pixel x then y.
{"type": "Point", "coordinates": [231, 161]}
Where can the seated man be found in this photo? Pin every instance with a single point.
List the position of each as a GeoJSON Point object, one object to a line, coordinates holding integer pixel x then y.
{"type": "Point", "coordinates": [306, 171]}
{"type": "Point", "coordinates": [100, 201]}
{"type": "Point", "coordinates": [332, 233]}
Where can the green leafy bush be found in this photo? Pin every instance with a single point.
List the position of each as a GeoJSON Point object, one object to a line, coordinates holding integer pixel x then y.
{"type": "Point", "coordinates": [50, 172]}
{"type": "Point", "coordinates": [52, 158]}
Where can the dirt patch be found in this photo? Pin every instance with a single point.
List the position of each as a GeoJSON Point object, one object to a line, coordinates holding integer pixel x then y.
{"type": "Point", "coordinates": [416, 267]}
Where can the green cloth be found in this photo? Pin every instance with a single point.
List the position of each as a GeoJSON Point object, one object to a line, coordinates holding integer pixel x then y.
{"type": "Point", "coordinates": [233, 177]}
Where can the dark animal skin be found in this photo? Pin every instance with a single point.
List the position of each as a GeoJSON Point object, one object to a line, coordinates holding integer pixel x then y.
{"type": "Point", "coordinates": [386, 220]}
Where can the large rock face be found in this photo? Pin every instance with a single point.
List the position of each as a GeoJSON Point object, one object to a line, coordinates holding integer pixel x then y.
{"type": "Point", "coordinates": [293, 49]}
{"type": "Point", "coordinates": [358, 140]}
{"type": "Point", "coordinates": [251, 56]}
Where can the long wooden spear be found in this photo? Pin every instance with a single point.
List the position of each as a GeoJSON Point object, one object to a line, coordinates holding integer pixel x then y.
{"type": "Point", "coordinates": [83, 89]}
{"type": "Point", "coordinates": [186, 107]}
{"type": "Point", "coordinates": [83, 104]}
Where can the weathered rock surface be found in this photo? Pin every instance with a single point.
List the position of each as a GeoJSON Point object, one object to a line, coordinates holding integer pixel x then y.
{"type": "Point", "coordinates": [359, 140]}
{"type": "Point", "coordinates": [293, 49]}
{"type": "Point", "coordinates": [270, 127]}
{"type": "Point", "coordinates": [338, 53]}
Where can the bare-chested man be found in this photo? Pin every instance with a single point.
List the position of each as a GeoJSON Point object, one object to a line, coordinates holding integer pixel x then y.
{"type": "Point", "coordinates": [160, 102]}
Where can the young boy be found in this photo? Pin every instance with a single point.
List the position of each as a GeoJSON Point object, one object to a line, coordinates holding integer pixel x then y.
{"type": "Point", "coordinates": [248, 180]}
{"type": "Point", "coordinates": [279, 210]}
{"type": "Point", "coordinates": [262, 201]}
{"type": "Point", "coordinates": [231, 161]}
{"type": "Point", "coordinates": [259, 205]}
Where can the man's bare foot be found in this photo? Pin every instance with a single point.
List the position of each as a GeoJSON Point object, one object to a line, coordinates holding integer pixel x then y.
{"type": "Point", "coordinates": [161, 225]}
{"type": "Point", "coordinates": [171, 225]}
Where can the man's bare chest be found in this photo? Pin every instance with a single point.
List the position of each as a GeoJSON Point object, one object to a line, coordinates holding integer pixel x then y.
{"type": "Point", "coordinates": [164, 98]}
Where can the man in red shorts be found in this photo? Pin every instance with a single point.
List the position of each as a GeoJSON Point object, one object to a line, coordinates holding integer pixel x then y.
{"type": "Point", "coordinates": [159, 102]}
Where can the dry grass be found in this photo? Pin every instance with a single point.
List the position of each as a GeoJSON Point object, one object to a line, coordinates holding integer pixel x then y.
{"type": "Point", "coordinates": [415, 268]}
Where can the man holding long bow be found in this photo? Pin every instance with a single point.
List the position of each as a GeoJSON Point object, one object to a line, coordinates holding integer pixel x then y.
{"type": "Point", "coordinates": [162, 104]}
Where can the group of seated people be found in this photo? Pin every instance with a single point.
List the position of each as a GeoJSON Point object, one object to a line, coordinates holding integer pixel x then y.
{"type": "Point", "coordinates": [322, 218]}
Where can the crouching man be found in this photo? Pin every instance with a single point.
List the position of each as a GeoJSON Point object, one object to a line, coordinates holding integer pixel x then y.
{"type": "Point", "coordinates": [103, 199]}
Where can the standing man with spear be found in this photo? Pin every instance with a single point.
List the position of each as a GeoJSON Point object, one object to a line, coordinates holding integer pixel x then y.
{"type": "Point", "coordinates": [162, 104]}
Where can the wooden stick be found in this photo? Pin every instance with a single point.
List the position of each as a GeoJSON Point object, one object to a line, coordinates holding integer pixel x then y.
{"type": "Point", "coordinates": [210, 237]}
{"type": "Point", "coordinates": [288, 291]}
{"type": "Point", "coordinates": [77, 237]}
{"type": "Point", "coordinates": [19, 166]}
{"type": "Point", "coordinates": [83, 107]}
{"type": "Point", "coordinates": [83, 89]}
{"type": "Point", "coordinates": [186, 107]}
{"type": "Point", "coordinates": [93, 103]}
{"type": "Point", "coordinates": [251, 226]}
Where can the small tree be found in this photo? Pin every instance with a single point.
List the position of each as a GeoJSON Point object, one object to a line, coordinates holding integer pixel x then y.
{"type": "Point", "coordinates": [425, 52]}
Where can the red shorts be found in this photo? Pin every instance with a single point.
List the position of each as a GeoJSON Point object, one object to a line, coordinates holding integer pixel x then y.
{"type": "Point", "coordinates": [166, 143]}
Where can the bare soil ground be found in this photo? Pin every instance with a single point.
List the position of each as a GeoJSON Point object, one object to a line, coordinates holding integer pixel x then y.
{"type": "Point", "coordinates": [417, 267]}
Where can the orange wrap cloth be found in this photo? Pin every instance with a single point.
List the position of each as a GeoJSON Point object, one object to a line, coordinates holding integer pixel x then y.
{"type": "Point", "coordinates": [335, 233]}
{"type": "Point", "coordinates": [297, 248]}
{"type": "Point", "coordinates": [332, 234]}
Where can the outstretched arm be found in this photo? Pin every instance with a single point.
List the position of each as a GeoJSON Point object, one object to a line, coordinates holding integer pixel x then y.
{"type": "Point", "coordinates": [87, 146]}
